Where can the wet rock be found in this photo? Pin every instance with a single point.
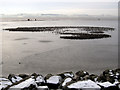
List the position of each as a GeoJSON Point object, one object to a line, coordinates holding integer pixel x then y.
{"type": "Point", "coordinates": [80, 75]}
{"type": "Point", "coordinates": [66, 74]}
{"type": "Point", "coordinates": [107, 75]}
{"type": "Point", "coordinates": [14, 78]}
{"type": "Point", "coordinates": [108, 72]}
{"type": "Point", "coordinates": [93, 77]}
{"type": "Point", "coordinates": [23, 76]}
{"type": "Point", "coordinates": [48, 76]}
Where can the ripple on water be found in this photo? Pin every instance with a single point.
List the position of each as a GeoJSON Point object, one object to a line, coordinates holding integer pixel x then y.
{"type": "Point", "coordinates": [45, 41]}
{"type": "Point", "coordinates": [21, 39]}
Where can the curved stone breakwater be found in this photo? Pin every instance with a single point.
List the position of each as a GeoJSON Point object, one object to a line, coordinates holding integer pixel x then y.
{"type": "Point", "coordinates": [81, 80]}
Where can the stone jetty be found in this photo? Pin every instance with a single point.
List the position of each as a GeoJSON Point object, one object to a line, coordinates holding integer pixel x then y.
{"type": "Point", "coordinates": [38, 29]}
{"type": "Point", "coordinates": [81, 80]}
{"type": "Point", "coordinates": [69, 32]}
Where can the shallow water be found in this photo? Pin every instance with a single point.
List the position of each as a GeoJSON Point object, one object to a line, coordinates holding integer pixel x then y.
{"type": "Point", "coordinates": [45, 52]}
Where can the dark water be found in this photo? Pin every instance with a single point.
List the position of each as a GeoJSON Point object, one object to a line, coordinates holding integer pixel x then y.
{"type": "Point", "coordinates": [45, 52]}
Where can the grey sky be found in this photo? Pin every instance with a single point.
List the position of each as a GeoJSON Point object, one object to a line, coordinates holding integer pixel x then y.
{"type": "Point", "coordinates": [91, 7]}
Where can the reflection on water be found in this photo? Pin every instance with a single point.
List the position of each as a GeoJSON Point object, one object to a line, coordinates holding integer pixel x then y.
{"type": "Point", "coordinates": [21, 39]}
{"type": "Point", "coordinates": [45, 52]}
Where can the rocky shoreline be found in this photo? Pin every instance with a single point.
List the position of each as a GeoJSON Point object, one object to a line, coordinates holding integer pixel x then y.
{"type": "Point", "coordinates": [81, 80]}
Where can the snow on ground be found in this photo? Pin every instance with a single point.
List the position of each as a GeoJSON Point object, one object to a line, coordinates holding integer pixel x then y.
{"type": "Point", "coordinates": [84, 84]}
{"type": "Point", "coordinates": [54, 79]}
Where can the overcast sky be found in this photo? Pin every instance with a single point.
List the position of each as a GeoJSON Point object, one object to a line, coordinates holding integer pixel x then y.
{"type": "Point", "coordinates": [91, 7]}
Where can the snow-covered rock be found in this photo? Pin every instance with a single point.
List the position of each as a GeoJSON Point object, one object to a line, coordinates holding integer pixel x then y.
{"type": "Point", "coordinates": [106, 84]}
{"type": "Point", "coordinates": [66, 74]}
{"type": "Point", "coordinates": [4, 82]}
{"type": "Point", "coordinates": [54, 80]}
{"type": "Point", "coordinates": [88, 84]}
{"type": "Point", "coordinates": [25, 83]}
{"type": "Point", "coordinates": [66, 81]}
{"type": "Point", "coordinates": [14, 78]}
{"type": "Point", "coordinates": [39, 79]}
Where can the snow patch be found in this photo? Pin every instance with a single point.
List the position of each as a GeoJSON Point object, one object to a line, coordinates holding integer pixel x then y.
{"type": "Point", "coordinates": [66, 81]}
{"type": "Point", "coordinates": [84, 84]}
{"type": "Point", "coordinates": [16, 79]}
{"type": "Point", "coordinates": [4, 83]}
{"type": "Point", "coordinates": [54, 79]}
{"type": "Point", "coordinates": [25, 83]}
{"type": "Point", "coordinates": [40, 79]}
{"type": "Point", "coordinates": [68, 74]}
{"type": "Point", "coordinates": [106, 84]}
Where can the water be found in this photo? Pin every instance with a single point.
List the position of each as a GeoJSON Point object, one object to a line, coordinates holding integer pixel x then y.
{"type": "Point", "coordinates": [45, 52]}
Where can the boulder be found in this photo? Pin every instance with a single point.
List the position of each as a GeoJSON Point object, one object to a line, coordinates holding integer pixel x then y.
{"type": "Point", "coordinates": [14, 78]}
{"type": "Point", "coordinates": [80, 75]}
{"type": "Point", "coordinates": [65, 81]}
{"type": "Point", "coordinates": [28, 84]}
{"type": "Point", "coordinates": [108, 86]}
{"type": "Point", "coordinates": [66, 74]}
{"type": "Point", "coordinates": [83, 85]}
{"type": "Point", "coordinates": [23, 76]}
{"type": "Point", "coordinates": [53, 82]}
{"type": "Point", "coordinates": [4, 82]}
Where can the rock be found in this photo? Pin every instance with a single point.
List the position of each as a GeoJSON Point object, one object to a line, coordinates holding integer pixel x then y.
{"type": "Point", "coordinates": [66, 74]}
{"type": "Point", "coordinates": [84, 85]}
{"type": "Point", "coordinates": [23, 76]}
{"type": "Point", "coordinates": [80, 75]}
{"type": "Point", "coordinates": [93, 77]}
{"type": "Point", "coordinates": [39, 80]}
{"type": "Point", "coordinates": [48, 76]}
{"type": "Point", "coordinates": [53, 82]}
{"type": "Point", "coordinates": [101, 78]}
{"type": "Point", "coordinates": [105, 84]}
{"type": "Point", "coordinates": [25, 85]}
{"type": "Point", "coordinates": [4, 82]}
{"type": "Point", "coordinates": [31, 87]}
{"type": "Point", "coordinates": [66, 80]}
{"type": "Point", "coordinates": [109, 72]}
{"type": "Point", "coordinates": [14, 78]}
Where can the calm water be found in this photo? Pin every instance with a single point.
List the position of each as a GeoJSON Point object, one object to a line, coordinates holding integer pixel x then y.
{"type": "Point", "coordinates": [29, 52]}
